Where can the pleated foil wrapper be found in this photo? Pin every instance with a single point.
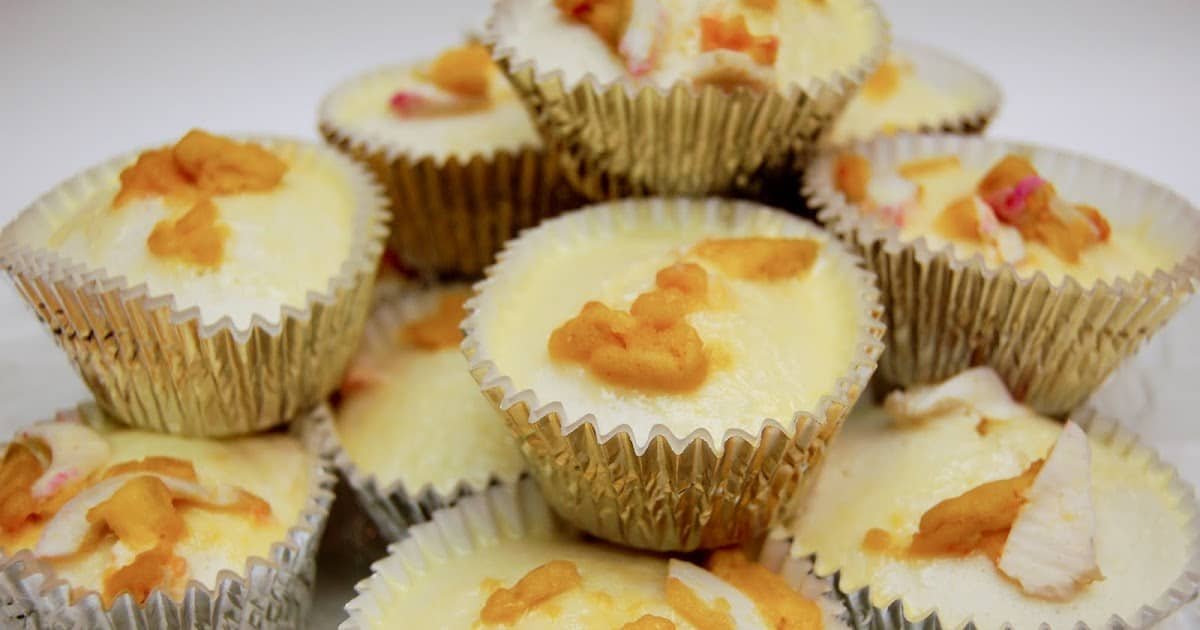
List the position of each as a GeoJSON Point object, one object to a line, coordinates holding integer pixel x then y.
{"type": "Point", "coordinates": [393, 505]}
{"type": "Point", "coordinates": [517, 512]}
{"type": "Point", "coordinates": [449, 216]}
{"type": "Point", "coordinates": [155, 366]}
{"type": "Point", "coordinates": [867, 614]}
{"type": "Point", "coordinates": [619, 139]}
{"type": "Point", "coordinates": [981, 94]}
{"type": "Point", "coordinates": [1052, 343]}
{"type": "Point", "coordinates": [269, 593]}
{"type": "Point", "coordinates": [668, 492]}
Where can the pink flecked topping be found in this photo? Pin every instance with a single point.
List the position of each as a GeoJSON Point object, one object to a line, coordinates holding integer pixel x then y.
{"type": "Point", "coordinates": [1011, 204]}
{"type": "Point", "coordinates": [59, 480]}
{"type": "Point", "coordinates": [405, 103]}
{"type": "Point", "coordinates": [894, 214]}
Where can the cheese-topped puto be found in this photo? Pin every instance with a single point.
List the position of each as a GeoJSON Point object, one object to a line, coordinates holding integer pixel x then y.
{"type": "Point", "coordinates": [1005, 211]}
{"type": "Point", "coordinates": [214, 222]}
{"type": "Point", "coordinates": [115, 510]}
{"type": "Point", "coordinates": [560, 581]}
{"type": "Point", "coordinates": [457, 105]}
{"type": "Point", "coordinates": [905, 95]}
{"type": "Point", "coordinates": [411, 412]}
{"type": "Point", "coordinates": [688, 320]}
{"type": "Point", "coordinates": [958, 500]}
{"type": "Point", "coordinates": [759, 44]}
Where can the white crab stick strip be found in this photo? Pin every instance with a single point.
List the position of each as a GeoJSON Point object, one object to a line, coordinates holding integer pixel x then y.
{"type": "Point", "coordinates": [75, 452]}
{"type": "Point", "coordinates": [980, 389]}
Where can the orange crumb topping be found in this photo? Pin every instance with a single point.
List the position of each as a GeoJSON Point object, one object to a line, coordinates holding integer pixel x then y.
{"type": "Point", "coordinates": [1103, 229]}
{"type": "Point", "coordinates": [465, 70]}
{"type": "Point", "coordinates": [877, 541]}
{"type": "Point", "coordinates": [762, 259]}
{"type": "Point", "coordinates": [196, 237]}
{"type": "Point", "coordinates": [928, 166]}
{"type": "Point", "coordinates": [684, 601]}
{"type": "Point", "coordinates": [221, 166]}
{"type": "Point", "coordinates": [653, 346]}
{"type": "Point", "coordinates": [507, 605]}
{"type": "Point", "coordinates": [852, 173]}
{"type": "Point", "coordinates": [977, 520]}
{"type": "Point", "coordinates": [155, 174]}
{"type": "Point", "coordinates": [19, 470]}
{"type": "Point", "coordinates": [169, 466]}
{"type": "Point", "coordinates": [149, 570]}
{"type": "Point", "coordinates": [141, 514]}
{"type": "Point", "coordinates": [731, 33]}
{"type": "Point", "coordinates": [440, 329]}
{"type": "Point", "coordinates": [780, 605]}
{"type": "Point", "coordinates": [883, 82]}
{"type": "Point", "coordinates": [606, 18]}
{"type": "Point", "coordinates": [761, 5]}
{"type": "Point", "coordinates": [1006, 174]}
{"type": "Point", "coordinates": [650, 622]}
{"type": "Point", "coordinates": [960, 221]}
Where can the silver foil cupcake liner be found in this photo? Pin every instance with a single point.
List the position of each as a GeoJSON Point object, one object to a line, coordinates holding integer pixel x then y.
{"type": "Point", "coordinates": [865, 614]}
{"type": "Point", "coordinates": [672, 492]}
{"type": "Point", "coordinates": [155, 366]}
{"type": "Point", "coordinates": [450, 216]}
{"type": "Point", "coordinates": [1052, 343]}
{"type": "Point", "coordinates": [617, 139]}
{"type": "Point", "coordinates": [393, 506]}
{"type": "Point", "coordinates": [515, 512]}
{"type": "Point", "coordinates": [945, 72]}
{"type": "Point", "coordinates": [272, 592]}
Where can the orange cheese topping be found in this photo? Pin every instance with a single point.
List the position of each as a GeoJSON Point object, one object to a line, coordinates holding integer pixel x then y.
{"type": "Point", "coordinates": [884, 82]}
{"type": "Point", "coordinates": [606, 18]}
{"type": "Point", "coordinates": [141, 514]}
{"type": "Point", "coordinates": [684, 601]}
{"type": "Point", "coordinates": [731, 33]}
{"type": "Point", "coordinates": [198, 167]}
{"type": "Point", "coordinates": [928, 166]}
{"type": "Point", "coordinates": [649, 622]}
{"type": "Point", "coordinates": [977, 520]}
{"type": "Point", "coordinates": [465, 71]}
{"type": "Point", "coordinates": [19, 470]}
{"type": "Point", "coordinates": [960, 221]}
{"type": "Point", "coordinates": [762, 259]}
{"type": "Point", "coordinates": [169, 466]}
{"type": "Point", "coordinates": [151, 569]}
{"type": "Point", "coordinates": [877, 541]}
{"type": "Point", "coordinates": [761, 5]}
{"type": "Point", "coordinates": [507, 605]}
{"type": "Point", "coordinates": [440, 329]}
{"type": "Point", "coordinates": [780, 605]}
{"type": "Point", "coordinates": [652, 347]}
{"type": "Point", "coordinates": [852, 174]}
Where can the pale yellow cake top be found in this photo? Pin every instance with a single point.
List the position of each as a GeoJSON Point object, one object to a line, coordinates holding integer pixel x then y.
{"type": "Point", "coordinates": [411, 411]}
{"type": "Point", "coordinates": [225, 247]}
{"type": "Point", "coordinates": [402, 110]}
{"type": "Point", "coordinates": [663, 41]}
{"type": "Point", "coordinates": [1006, 211]}
{"type": "Point", "coordinates": [734, 352]}
{"type": "Point", "coordinates": [237, 505]}
{"type": "Point", "coordinates": [885, 474]}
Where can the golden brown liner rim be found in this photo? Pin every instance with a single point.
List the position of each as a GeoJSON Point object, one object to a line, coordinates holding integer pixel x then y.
{"type": "Point", "coordinates": [368, 232]}
{"type": "Point", "coordinates": [845, 219]}
{"type": "Point", "coordinates": [868, 346]}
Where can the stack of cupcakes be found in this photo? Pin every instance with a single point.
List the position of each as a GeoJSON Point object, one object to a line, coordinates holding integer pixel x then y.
{"type": "Point", "coordinates": [644, 413]}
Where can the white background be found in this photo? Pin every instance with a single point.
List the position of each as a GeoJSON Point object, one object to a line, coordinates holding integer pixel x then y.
{"type": "Point", "coordinates": [81, 81]}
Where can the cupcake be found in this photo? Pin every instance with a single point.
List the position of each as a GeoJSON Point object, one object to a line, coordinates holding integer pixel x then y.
{"type": "Point", "coordinates": [956, 504]}
{"type": "Point", "coordinates": [918, 88]}
{"type": "Point", "coordinates": [462, 163]}
{"type": "Point", "coordinates": [412, 433]}
{"type": "Point", "coordinates": [680, 97]}
{"type": "Point", "coordinates": [210, 287]}
{"type": "Point", "coordinates": [108, 527]}
{"type": "Point", "coordinates": [1047, 266]}
{"type": "Point", "coordinates": [673, 368]}
{"type": "Point", "coordinates": [501, 560]}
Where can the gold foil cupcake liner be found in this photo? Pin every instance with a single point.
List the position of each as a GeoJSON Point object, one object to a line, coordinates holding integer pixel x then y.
{"type": "Point", "coordinates": [952, 75]}
{"type": "Point", "coordinates": [869, 614]}
{"type": "Point", "coordinates": [450, 216]}
{"type": "Point", "coordinates": [515, 512]}
{"type": "Point", "coordinates": [1053, 344]}
{"type": "Point", "coordinates": [271, 592]}
{"type": "Point", "coordinates": [156, 366]}
{"type": "Point", "coordinates": [619, 139]}
{"type": "Point", "coordinates": [392, 505]}
{"type": "Point", "coordinates": [660, 490]}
